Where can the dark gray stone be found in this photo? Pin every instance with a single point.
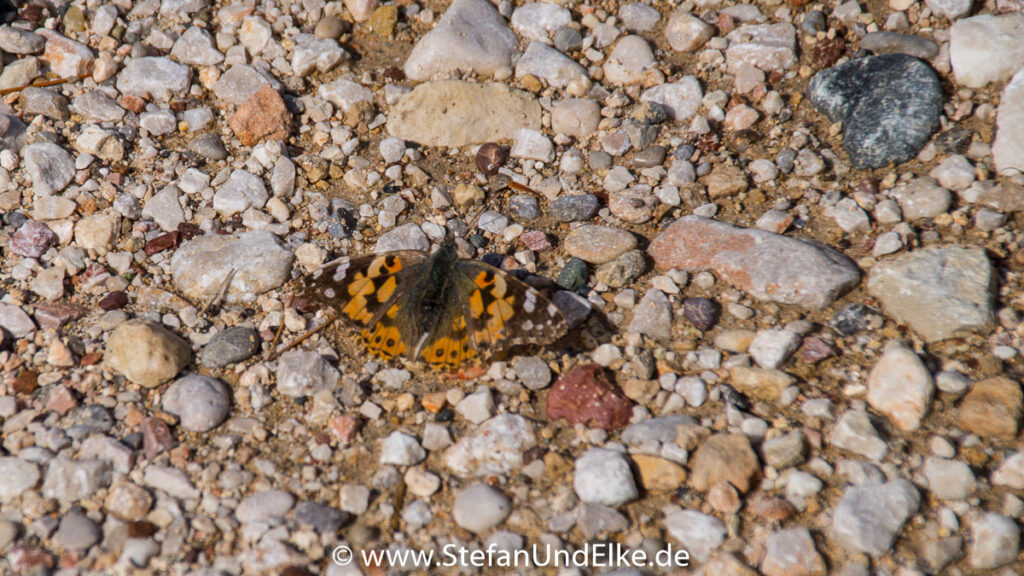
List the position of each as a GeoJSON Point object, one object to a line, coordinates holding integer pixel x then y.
{"type": "Point", "coordinates": [889, 106]}
{"type": "Point", "coordinates": [230, 346]}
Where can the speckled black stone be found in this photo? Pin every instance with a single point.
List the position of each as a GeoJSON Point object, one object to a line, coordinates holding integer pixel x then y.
{"type": "Point", "coordinates": [851, 319]}
{"type": "Point", "coordinates": [574, 208]}
{"type": "Point", "coordinates": [889, 105]}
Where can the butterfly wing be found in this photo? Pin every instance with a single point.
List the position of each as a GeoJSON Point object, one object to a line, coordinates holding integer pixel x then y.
{"type": "Point", "coordinates": [365, 291]}
{"type": "Point", "coordinates": [451, 345]}
{"type": "Point", "coordinates": [501, 311]}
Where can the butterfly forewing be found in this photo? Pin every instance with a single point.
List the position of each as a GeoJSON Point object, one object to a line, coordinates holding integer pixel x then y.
{"type": "Point", "coordinates": [502, 311]}
{"type": "Point", "coordinates": [364, 290]}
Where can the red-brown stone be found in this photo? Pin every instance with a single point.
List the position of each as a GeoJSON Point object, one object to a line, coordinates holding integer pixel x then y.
{"type": "Point", "coordinates": [263, 116]}
{"type": "Point", "coordinates": [53, 316]}
{"type": "Point", "coordinates": [584, 395]}
{"type": "Point", "coordinates": [161, 243]}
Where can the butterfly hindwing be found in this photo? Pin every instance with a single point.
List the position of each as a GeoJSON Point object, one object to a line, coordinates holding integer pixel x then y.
{"type": "Point", "coordinates": [451, 346]}
{"type": "Point", "coordinates": [502, 311]}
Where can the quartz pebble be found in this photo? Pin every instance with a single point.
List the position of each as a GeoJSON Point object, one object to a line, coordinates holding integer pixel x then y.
{"type": "Point", "coordinates": [604, 477]}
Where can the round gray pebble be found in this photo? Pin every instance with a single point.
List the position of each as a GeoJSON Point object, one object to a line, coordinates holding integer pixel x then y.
{"type": "Point", "coordinates": [533, 372]}
{"type": "Point", "coordinates": [480, 507]}
{"type": "Point", "coordinates": [201, 402]}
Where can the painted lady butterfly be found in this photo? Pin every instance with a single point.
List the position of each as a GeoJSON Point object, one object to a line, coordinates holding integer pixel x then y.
{"type": "Point", "coordinates": [436, 307]}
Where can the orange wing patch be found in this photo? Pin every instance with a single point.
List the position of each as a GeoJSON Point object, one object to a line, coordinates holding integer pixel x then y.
{"type": "Point", "coordinates": [492, 303]}
{"type": "Point", "coordinates": [383, 339]}
{"type": "Point", "coordinates": [378, 283]}
{"type": "Point", "coordinates": [449, 351]}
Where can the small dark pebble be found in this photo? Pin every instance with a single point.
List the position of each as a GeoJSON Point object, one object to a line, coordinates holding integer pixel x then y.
{"type": "Point", "coordinates": [16, 219]}
{"type": "Point", "coordinates": [492, 259]}
{"type": "Point", "coordinates": [489, 158]}
{"type": "Point", "coordinates": [114, 300]}
{"type": "Point", "coordinates": [734, 397]}
{"type": "Point", "coordinates": [574, 208]}
{"type": "Point", "coordinates": [478, 240]}
{"type": "Point", "coordinates": [133, 440]}
{"type": "Point", "coordinates": [702, 312]}
{"type": "Point", "coordinates": [851, 319]}
{"type": "Point", "coordinates": [444, 415]}
{"type": "Point", "coordinates": [161, 243]}
{"type": "Point", "coordinates": [141, 529]}
{"type": "Point", "coordinates": [342, 223]}
{"type": "Point", "coordinates": [25, 383]}
{"type": "Point", "coordinates": [786, 160]}
{"type": "Point", "coordinates": [827, 51]}
{"type": "Point", "coordinates": [956, 140]}
{"type": "Point", "coordinates": [573, 275]}
{"type": "Point", "coordinates": [156, 437]}
{"type": "Point", "coordinates": [525, 207]}
{"type": "Point", "coordinates": [229, 346]}
{"type": "Point", "coordinates": [187, 231]}
{"type": "Point", "coordinates": [684, 152]}
{"type": "Point", "coordinates": [650, 157]}
{"type": "Point", "coordinates": [324, 519]}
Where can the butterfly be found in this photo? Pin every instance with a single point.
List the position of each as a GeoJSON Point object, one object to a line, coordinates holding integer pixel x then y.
{"type": "Point", "coordinates": [435, 308]}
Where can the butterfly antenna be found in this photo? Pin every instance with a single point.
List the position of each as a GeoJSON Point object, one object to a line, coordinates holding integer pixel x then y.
{"type": "Point", "coordinates": [277, 353]}
{"type": "Point", "coordinates": [280, 328]}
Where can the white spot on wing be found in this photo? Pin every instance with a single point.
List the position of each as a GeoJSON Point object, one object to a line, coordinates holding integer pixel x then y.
{"type": "Point", "coordinates": [339, 272]}
{"type": "Point", "coordinates": [552, 310]}
{"type": "Point", "coordinates": [531, 302]}
{"type": "Point", "coordinates": [330, 293]}
{"type": "Point", "coordinates": [527, 325]}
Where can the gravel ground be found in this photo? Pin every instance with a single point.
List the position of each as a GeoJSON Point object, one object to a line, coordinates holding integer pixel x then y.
{"type": "Point", "coordinates": [784, 236]}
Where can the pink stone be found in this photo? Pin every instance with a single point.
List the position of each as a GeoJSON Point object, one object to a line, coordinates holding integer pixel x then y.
{"type": "Point", "coordinates": [535, 240]}
{"type": "Point", "coordinates": [156, 437]}
{"type": "Point", "coordinates": [32, 239]}
{"type": "Point", "coordinates": [53, 316]}
{"type": "Point", "coordinates": [60, 400]}
{"type": "Point", "coordinates": [767, 266]}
